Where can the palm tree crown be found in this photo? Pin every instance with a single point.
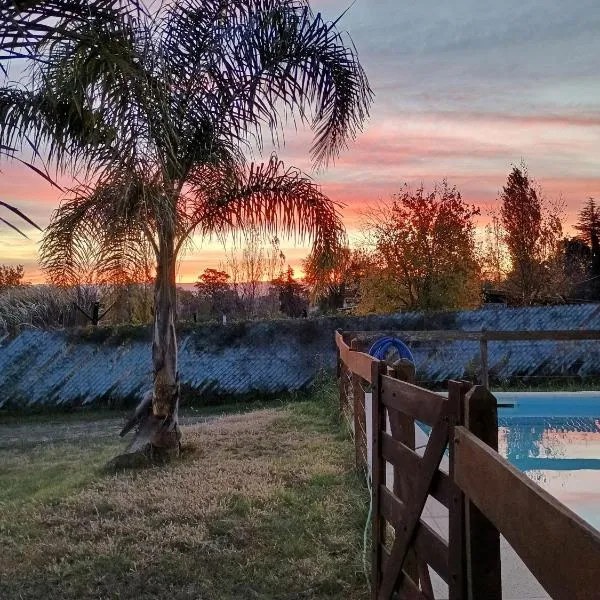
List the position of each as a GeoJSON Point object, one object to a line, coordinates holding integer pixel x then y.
{"type": "Point", "coordinates": [160, 109]}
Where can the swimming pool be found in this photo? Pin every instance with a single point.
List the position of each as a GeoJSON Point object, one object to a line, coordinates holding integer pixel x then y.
{"type": "Point", "coordinates": [555, 439]}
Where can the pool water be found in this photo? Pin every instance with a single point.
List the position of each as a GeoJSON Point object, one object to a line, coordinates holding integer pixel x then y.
{"type": "Point", "coordinates": [556, 442]}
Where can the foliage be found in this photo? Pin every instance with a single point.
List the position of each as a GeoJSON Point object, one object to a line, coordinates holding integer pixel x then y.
{"type": "Point", "coordinates": [378, 292]}
{"type": "Point", "coordinates": [425, 244]}
{"type": "Point", "coordinates": [158, 109]}
{"type": "Point", "coordinates": [213, 286]}
{"type": "Point", "coordinates": [35, 306]}
{"type": "Point", "coordinates": [293, 300]}
{"type": "Point", "coordinates": [588, 225]}
{"type": "Point", "coordinates": [533, 235]}
{"type": "Point", "coordinates": [11, 276]}
{"type": "Point", "coordinates": [494, 258]}
{"type": "Point", "coordinates": [162, 124]}
{"type": "Point", "coordinates": [577, 260]}
{"type": "Point", "coordinates": [249, 266]}
{"type": "Point", "coordinates": [332, 284]}
{"type": "Point", "coordinates": [24, 25]}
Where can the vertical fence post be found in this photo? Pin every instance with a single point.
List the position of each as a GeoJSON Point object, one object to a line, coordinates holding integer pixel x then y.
{"type": "Point", "coordinates": [340, 368]}
{"type": "Point", "coordinates": [457, 588]}
{"type": "Point", "coordinates": [483, 351]}
{"type": "Point", "coordinates": [378, 475]}
{"type": "Point", "coordinates": [360, 423]}
{"type": "Point", "coordinates": [483, 540]}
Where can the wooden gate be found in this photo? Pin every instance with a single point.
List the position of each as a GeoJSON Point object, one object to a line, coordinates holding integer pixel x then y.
{"type": "Point", "coordinates": [404, 546]}
{"type": "Point", "coordinates": [484, 495]}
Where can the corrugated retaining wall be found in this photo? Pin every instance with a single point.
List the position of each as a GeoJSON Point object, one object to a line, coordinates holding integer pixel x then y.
{"type": "Point", "coordinates": [111, 365]}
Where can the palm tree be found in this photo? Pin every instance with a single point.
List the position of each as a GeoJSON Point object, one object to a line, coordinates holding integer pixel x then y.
{"type": "Point", "coordinates": [159, 111]}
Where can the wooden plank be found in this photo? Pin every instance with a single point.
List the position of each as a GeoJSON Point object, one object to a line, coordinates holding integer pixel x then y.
{"type": "Point", "coordinates": [408, 590]}
{"type": "Point", "coordinates": [392, 508]}
{"type": "Point", "coordinates": [402, 427]}
{"type": "Point", "coordinates": [431, 461]}
{"type": "Point", "coordinates": [342, 347]}
{"type": "Point", "coordinates": [560, 335]}
{"type": "Point", "coordinates": [358, 411]}
{"type": "Point", "coordinates": [417, 336]}
{"type": "Point", "coordinates": [451, 335]}
{"type": "Point", "coordinates": [360, 363]}
{"type": "Point", "coordinates": [385, 558]}
{"type": "Point", "coordinates": [483, 540]}
{"type": "Point", "coordinates": [409, 464]}
{"type": "Point", "coordinates": [458, 585]}
{"type": "Point", "coordinates": [338, 376]}
{"type": "Point", "coordinates": [421, 404]}
{"type": "Point", "coordinates": [378, 475]}
{"type": "Point", "coordinates": [485, 370]}
{"type": "Point", "coordinates": [405, 592]}
{"type": "Point", "coordinates": [433, 549]}
{"type": "Point", "coordinates": [559, 548]}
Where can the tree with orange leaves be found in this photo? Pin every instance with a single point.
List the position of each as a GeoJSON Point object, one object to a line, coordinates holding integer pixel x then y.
{"type": "Point", "coordinates": [425, 245]}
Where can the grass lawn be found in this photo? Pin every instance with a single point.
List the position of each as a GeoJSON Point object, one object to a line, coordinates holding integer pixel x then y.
{"type": "Point", "coordinates": [262, 505]}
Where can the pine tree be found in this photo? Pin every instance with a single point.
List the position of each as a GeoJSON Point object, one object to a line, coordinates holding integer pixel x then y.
{"type": "Point", "coordinates": [521, 215]}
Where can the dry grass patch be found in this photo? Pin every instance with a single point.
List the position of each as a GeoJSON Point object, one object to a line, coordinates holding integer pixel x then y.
{"type": "Point", "coordinates": [262, 505]}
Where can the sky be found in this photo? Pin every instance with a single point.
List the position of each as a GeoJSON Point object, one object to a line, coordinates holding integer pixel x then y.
{"type": "Point", "coordinates": [463, 90]}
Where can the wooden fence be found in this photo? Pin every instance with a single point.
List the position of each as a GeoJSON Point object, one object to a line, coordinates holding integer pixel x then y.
{"type": "Point", "coordinates": [483, 337]}
{"type": "Point", "coordinates": [484, 494]}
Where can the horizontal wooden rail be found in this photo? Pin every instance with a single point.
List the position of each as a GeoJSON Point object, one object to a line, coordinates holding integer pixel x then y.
{"type": "Point", "coordinates": [476, 336]}
{"type": "Point", "coordinates": [530, 518]}
{"type": "Point", "coordinates": [357, 362]}
{"type": "Point", "coordinates": [414, 401]}
{"type": "Point", "coordinates": [360, 363]}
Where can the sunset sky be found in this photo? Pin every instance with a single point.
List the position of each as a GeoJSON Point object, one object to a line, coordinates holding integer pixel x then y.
{"type": "Point", "coordinates": [463, 89]}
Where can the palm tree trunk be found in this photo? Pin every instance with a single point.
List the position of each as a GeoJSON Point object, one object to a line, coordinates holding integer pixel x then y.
{"type": "Point", "coordinates": [165, 401]}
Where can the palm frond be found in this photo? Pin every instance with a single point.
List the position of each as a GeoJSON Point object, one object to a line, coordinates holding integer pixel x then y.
{"type": "Point", "coordinates": [99, 233]}
{"type": "Point", "coordinates": [80, 109]}
{"type": "Point", "coordinates": [254, 62]}
{"type": "Point", "coordinates": [20, 214]}
{"type": "Point", "coordinates": [268, 198]}
{"type": "Point", "coordinates": [25, 26]}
